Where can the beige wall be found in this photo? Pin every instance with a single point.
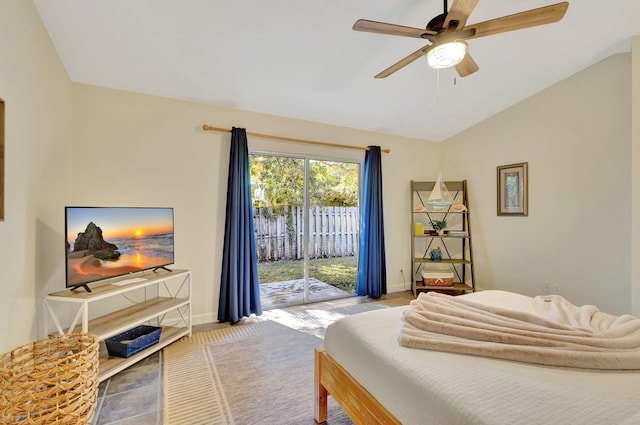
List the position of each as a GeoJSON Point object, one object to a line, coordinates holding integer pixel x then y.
{"type": "Point", "coordinates": [37, 92]}
{"type": "Point", "coordinates": [576, 137]}
{"type": "Point", "coordinates": [131, 149]}
{"type": "Point", "coordinates": [635, 158]}
{"type": "Point", "coordinates": [75, 144]}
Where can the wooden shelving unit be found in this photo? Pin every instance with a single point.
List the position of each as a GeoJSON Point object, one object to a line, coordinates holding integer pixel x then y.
{"type": "Point", "coordinates": [175, 287]}
{"type": "Point", "coordinates": [457, 253]}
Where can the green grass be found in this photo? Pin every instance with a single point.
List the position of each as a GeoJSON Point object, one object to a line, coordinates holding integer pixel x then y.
{"type": "Point", "coordinates": [341, 272]}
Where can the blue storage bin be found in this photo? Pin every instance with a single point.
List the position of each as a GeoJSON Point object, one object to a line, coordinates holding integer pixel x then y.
{"type": "Point", "coordinates": [135, 340]}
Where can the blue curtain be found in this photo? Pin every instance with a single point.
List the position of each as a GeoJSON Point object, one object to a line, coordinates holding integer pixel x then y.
{"type": "Point", "coordinates": [372, 267]}
{"type": "Point", "coordinates": [239, 284]}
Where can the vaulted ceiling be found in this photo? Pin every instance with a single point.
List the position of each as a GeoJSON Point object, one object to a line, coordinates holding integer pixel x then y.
{"type": "Point", "coordinates": [301, 58]}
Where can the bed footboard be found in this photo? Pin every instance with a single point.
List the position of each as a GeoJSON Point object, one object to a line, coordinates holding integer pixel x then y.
{"type": "Point", "coordinates": [355, 400]}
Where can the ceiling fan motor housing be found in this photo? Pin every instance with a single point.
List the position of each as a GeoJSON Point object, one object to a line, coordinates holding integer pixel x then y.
{"type": "Point", "coordinates": [436, 24]}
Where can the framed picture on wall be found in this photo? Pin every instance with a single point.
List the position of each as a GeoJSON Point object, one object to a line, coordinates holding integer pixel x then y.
{"type": "Point", "coordinates": [512, 189]}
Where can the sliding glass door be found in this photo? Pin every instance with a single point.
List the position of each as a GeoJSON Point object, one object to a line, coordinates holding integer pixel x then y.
{"type": "Point", "coordinates": [333, 234]}
{"type": "Point", "coordinates": [306, 218]}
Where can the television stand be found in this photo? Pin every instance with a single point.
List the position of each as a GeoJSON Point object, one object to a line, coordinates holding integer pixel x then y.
{"type": "Point", "coordinates": [162, 299]}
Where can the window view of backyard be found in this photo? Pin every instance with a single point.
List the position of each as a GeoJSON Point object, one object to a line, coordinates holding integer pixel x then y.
{"type": "Point", "coordinates": [305, 257]}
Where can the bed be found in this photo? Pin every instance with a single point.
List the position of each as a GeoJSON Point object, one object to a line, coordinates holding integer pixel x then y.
{"type": "Point", "coordinates": [378, 381]}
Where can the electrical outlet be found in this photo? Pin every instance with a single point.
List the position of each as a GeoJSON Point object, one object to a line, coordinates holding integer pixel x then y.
{"type": "Point", "coordinates": [546, 289]}
{"type": "Point", "coordinates": [556, 289]}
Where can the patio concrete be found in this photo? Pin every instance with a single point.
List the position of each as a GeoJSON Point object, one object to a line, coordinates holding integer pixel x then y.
{"type": "Point", "coordinates": [277, 294]}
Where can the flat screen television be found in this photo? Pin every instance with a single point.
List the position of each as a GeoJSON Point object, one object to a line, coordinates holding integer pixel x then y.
{"type": "Point", "coordinates": [106, 242]}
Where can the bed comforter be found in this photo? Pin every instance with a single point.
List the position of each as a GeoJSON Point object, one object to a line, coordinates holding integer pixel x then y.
{"type": "Point", "coordinates": [440, 388]}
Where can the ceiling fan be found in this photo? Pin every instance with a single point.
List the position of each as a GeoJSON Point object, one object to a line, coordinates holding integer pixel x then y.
{"type": "Point", "coordinates": [447, 34]}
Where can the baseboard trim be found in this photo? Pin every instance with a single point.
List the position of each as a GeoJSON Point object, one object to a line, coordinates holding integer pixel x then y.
{"type": "Point", "coordinates": [400, 287]}
{"type": "Point", "coordinates": [201, 319]}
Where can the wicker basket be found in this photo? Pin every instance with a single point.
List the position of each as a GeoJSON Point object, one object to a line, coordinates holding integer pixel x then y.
{"type": "Point", "coordinates": [50, 381]}
{"type": "Point", "coordinates": [437, 279]}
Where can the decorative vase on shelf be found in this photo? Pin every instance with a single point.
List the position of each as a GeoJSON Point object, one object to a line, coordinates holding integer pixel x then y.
{"type": "Point", "coordinates": [435, 254]}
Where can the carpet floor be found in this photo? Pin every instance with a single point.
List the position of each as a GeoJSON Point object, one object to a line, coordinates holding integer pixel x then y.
{"type": "Point", "coordinates": [257, 372]}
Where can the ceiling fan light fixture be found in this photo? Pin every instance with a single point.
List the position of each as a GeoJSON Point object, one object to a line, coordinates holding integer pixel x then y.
{"type": "Point", "coordinates": [447, 55]}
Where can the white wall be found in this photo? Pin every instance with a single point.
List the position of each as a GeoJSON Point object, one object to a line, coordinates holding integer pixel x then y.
{"type": "Point", "coordinates": [37, 93]}
{"type": "Point", "coordinates": [576, 138]}
{"type": "Point", "coordinates": [132, 149]}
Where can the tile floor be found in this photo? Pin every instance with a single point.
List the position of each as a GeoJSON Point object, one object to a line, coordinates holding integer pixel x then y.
{"type": "Point", "coordinates": [134, 396]}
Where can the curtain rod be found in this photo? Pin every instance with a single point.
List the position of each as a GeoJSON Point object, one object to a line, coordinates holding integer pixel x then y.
{"type": "Point", "coordinates": [206, 127]}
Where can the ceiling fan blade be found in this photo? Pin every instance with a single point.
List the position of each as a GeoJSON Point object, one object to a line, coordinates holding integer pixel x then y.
{"type": "Point", "coordinates": [467, 66]}
{"type": "Point", "coordinates": [460, 11]}
{"type": "Point", "coordinates": [530, 18]}
{"type": "Point", "coordinates": [392, 29]}
{"type": "Point", "coordinates": [404, 62]}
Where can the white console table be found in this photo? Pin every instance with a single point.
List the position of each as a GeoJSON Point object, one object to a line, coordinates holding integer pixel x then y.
{"type": "Point", "coordinates": [153, 310]}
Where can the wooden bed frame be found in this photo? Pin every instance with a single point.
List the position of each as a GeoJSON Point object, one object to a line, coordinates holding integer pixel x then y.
{"type": "Point", "coordinates": [355, 400]}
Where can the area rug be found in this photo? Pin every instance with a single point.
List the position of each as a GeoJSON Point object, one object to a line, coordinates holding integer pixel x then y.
{"type": "Point", "coordinates": [257, 373]}
{"type": "Point", "coordinates": [192, 392]}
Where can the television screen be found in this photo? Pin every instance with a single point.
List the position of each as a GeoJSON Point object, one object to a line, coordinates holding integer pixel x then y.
{"type": "Point", "coordinates": [105, 242]}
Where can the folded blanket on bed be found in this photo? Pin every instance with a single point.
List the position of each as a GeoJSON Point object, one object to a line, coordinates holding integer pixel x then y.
{"type": "Point", "coordinates": [551, 331]}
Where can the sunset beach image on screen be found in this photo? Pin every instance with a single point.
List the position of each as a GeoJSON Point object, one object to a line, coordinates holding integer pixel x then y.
{"type": "Point", "coordinates": [105, 242]}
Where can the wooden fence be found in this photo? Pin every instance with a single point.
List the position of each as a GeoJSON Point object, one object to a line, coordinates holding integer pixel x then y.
{"type": "Point", "coordinates": [333, 232]}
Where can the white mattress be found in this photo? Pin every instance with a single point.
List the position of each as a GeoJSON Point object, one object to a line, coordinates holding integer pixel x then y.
{"type": "Point", "coordinates": [430, 387]}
